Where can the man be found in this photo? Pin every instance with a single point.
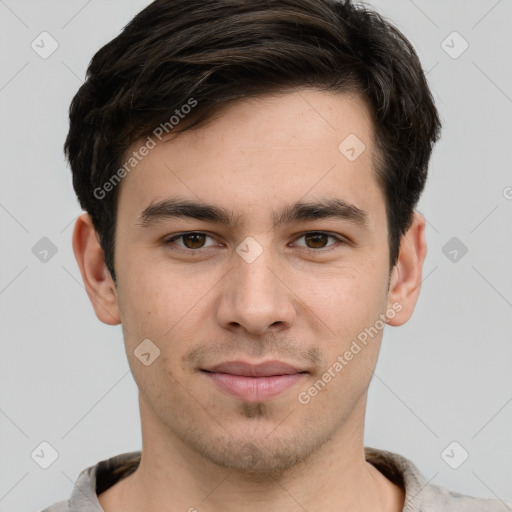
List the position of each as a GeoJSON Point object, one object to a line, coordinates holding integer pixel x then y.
{"type": "Point", "coordinates": [249, 171]}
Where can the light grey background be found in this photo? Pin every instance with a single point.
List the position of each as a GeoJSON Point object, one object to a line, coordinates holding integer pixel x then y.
{"type": "Point", "coordinates": [445, 376]}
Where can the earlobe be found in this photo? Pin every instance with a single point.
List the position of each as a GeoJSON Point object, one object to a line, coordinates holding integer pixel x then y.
{"type": "Point", "coordinates": [97, 279]}
{"type": "Point", "coordinates": [405, 282]}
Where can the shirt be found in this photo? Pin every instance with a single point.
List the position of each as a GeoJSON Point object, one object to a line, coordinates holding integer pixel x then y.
{"type": "Point", "coordinates": [420, 496]}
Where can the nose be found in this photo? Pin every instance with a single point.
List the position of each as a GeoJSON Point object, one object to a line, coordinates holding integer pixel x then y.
{"type": "Point", "coordinates": [255, 297]}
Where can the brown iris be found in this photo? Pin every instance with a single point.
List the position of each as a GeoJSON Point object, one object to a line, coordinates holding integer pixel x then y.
{"type": "Point", "coordinates": [318, 240]}
{"type": "Point", "coordinates": [195, 240]}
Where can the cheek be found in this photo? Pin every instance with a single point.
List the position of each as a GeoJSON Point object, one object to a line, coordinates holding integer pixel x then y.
{"type": "Point", "coordinates": [146, 304]}
{"type": "Point", "coordinates": [152, 313]}
{"type": "Point", "coordinates": [167, 309]}
{"type": "Point", "coordinates": [346, 299]}
{"type": "Point", "coordinates": [158, 292]}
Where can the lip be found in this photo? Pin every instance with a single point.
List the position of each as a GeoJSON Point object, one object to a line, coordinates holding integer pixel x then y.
{"type": "Point", "coordinates": [254, 382]}
{"type": "Point", "coordinates": [265, 369]}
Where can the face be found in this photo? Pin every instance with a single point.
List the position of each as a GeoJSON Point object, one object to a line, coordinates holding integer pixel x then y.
{"type": "Point", "coordinates": [253, 254]}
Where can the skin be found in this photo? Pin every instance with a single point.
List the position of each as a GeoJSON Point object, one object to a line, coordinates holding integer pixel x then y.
{"type": "Point", "coordinates": [203, 448]}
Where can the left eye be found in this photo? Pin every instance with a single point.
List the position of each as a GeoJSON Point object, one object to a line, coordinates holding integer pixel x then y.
{"type": "Point", "coordinates": [317, 239]}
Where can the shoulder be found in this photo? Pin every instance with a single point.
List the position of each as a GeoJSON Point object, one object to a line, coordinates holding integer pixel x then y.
{"type": "Point", "coordinates": [425, 497]}
{"type": "Point", "coordinates": [61, 506]}
{"type": "Point", "coordinates": [96, 479]}
{"type": "Point", "coordinates": [439, 498]}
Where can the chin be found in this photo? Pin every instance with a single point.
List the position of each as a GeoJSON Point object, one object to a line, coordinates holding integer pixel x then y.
{"type": "Point", "coordinates": [260, 451]}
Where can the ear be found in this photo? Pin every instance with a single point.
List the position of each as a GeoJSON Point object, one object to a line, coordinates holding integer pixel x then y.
{"type": "Point", "coordinates": [97, 279]}
{"type": "Point", "coordinates": [405, 282]}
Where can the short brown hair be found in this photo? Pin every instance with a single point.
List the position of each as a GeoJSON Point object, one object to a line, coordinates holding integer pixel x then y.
{"type": "Point", "coordinates": [217, 51]}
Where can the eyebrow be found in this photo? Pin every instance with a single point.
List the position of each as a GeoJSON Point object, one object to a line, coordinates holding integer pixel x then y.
{"type": "Point", "coordinates": [296, 212]}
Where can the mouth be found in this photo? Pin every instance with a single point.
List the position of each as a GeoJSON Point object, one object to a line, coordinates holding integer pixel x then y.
{"type": "Point", "coordinates": [254, 382]}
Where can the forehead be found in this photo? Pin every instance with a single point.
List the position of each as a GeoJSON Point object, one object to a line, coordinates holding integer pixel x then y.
{"type": "Point", "coordinates": [263, 150]}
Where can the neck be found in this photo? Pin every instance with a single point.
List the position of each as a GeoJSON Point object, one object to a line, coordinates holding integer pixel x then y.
{"type": "Point", "coordinates": [173, 477]}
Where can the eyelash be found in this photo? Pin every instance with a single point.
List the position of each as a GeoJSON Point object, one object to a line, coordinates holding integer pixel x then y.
{"type": "Point", "coordinates": [340, 241]}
